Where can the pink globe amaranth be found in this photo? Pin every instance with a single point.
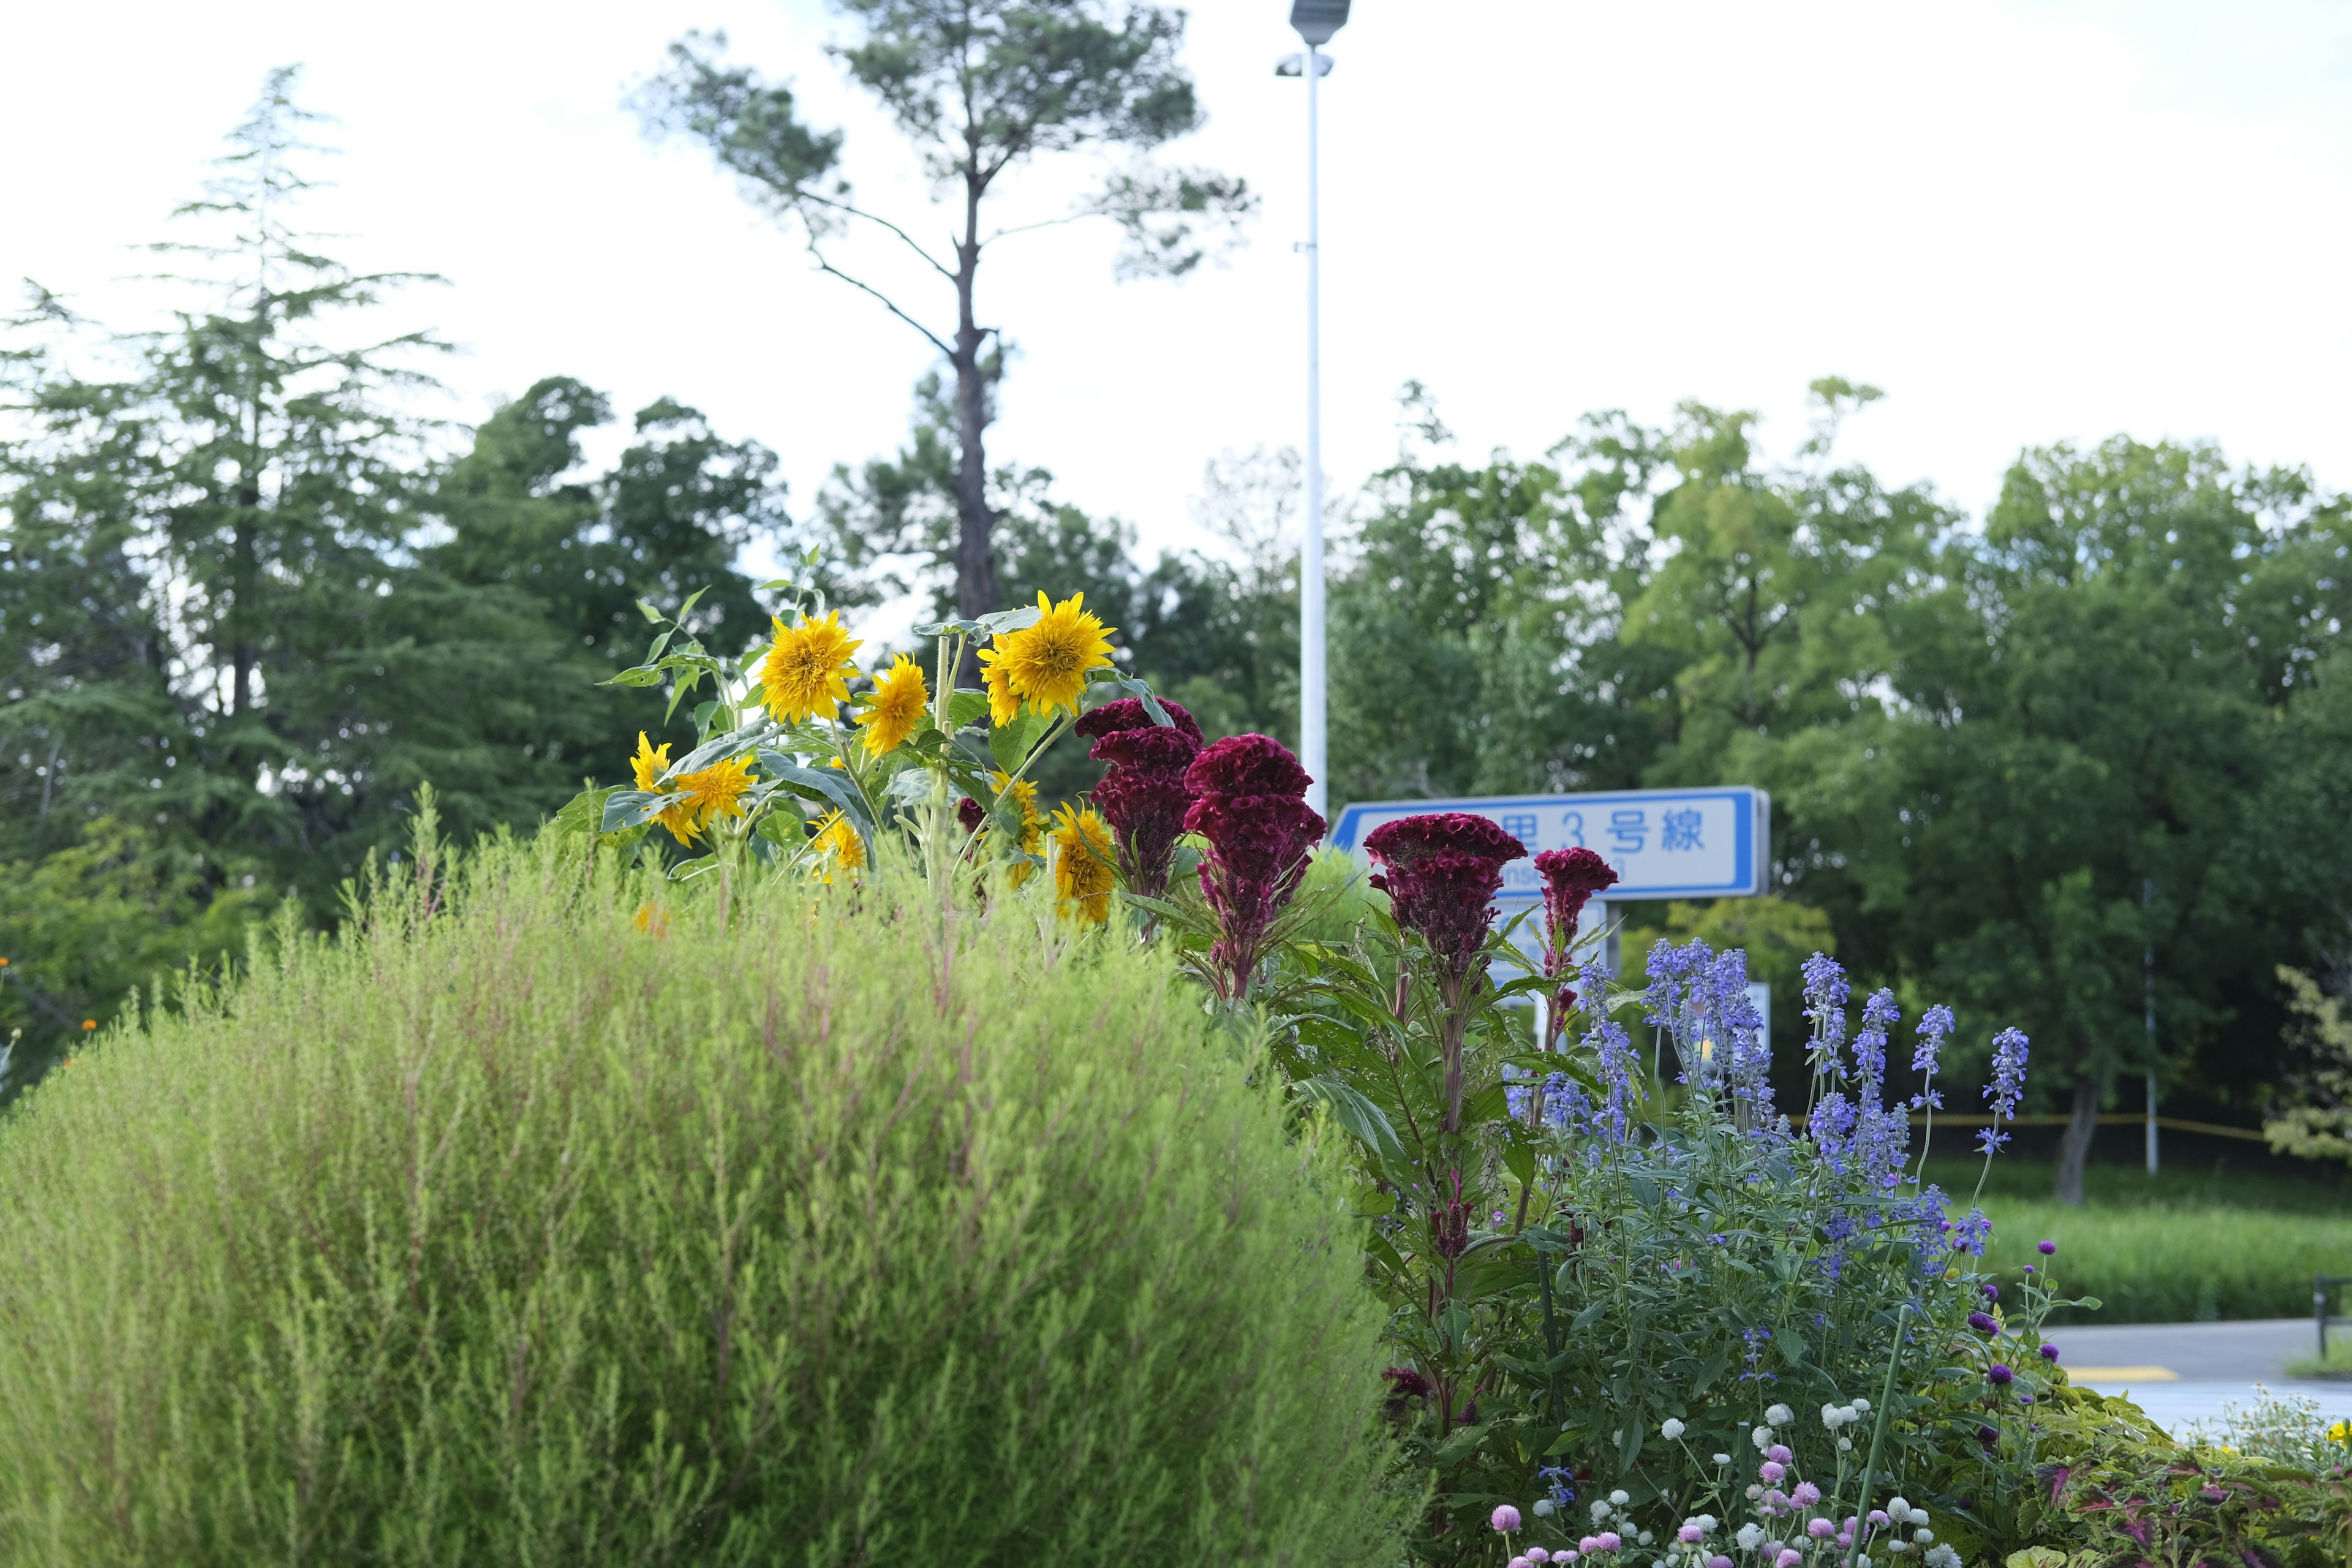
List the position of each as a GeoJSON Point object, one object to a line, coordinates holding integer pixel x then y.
{"type": "Point", "coordinates": [1806, 1494]}
{"type": "Point", "coordinates": [1522, 1562]}
{"type": "Point", "coordinates": [1607, 1541]}
{"type": "Point", "coordinates": [1779, 1454]}
{"type": "Point", "coordinates": [1589, 1543]}
{"type": "Point", "coordinates": [1440, 872]}
{"type": "Point", "coordinates": [1689, 1534]}
{"type": "Point", "coordinates": [1790, 1557]}
{"type": "Point", "coordinates": [1538, 1554]}
{"type": "Point", "coordinates": [1770, 1470]}
{"type": "Point", "coordinates": [1719, 1561]}
{"type": "Point", "coordinates": [1821, 1529]}
{"type": "Point", "coordinates": [1505, 1518]}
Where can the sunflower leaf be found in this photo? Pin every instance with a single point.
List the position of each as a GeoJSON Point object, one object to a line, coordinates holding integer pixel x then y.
{"type": "Point", "coordinates": [719, 747]}
{"type": "Point", "coordinates": [947, 628]}
{"type": "Point", "coordinates": [829, 785]}
{"type": "Point", "coordinates": [627, 808]}
{"type": "Point", "coordinates": [1011, 744]}
{"type": "Point", "coordinates": [1005, 621]}
{"type": "Point", "coordinates": [966, 706]}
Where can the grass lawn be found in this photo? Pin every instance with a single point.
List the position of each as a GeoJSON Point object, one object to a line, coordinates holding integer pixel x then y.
{"type": "Point", "coordinates": [2190, 1245]}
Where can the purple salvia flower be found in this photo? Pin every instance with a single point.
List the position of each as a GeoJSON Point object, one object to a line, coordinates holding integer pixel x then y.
{"type": "Point", "coordinates": [1832, 1129]}
{"type": "Point", "coordinates": [1878, 1014]}
{"type": "Point", "coordinates": [2007, 1087]}
{"type": "Point", "coordinates": [1935, 1028]}
{"type": "Point", "coordinates": [1825, 997]}
{"type": "Point", "coordinates": [1615, 1051]}
{"type": "Point", "coordinates": [1969, 1236]}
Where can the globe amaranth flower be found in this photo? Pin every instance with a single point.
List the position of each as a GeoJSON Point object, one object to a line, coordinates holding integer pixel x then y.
{"type": "Point", "coordinates": [1505, 1518]}
{"type": "Point", "coordinates": [1044, 664]}
{"type": "Point", "coordinates": [807, 669]}
{"type": "Point", "coordinates": [1143, 796]}
{"type": "Point", "coordinates": [1082, 866]}
{"type": "Point", "coordinates": [2049, 1352]}
{"type": "Point", "coordinates": [1440, 872]}
{"type": "Point", "coordinates": [1999, 1375]}
{"type": "Point", "coordinates": [1249, 800]}
{"type": "Point", "coordinates": [900, 702]}
{"type": "Point", "coordinates": [2047, 1248]}
{"type": "Point", "coordinates": [1984, 1325]}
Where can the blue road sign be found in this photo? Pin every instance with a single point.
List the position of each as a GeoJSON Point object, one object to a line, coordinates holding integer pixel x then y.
{"type": "Point", "coordinates": [1662, 843]}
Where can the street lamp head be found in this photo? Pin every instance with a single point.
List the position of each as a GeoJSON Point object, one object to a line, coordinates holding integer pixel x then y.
{"type": "Point", "coordinates": [1317, 20]}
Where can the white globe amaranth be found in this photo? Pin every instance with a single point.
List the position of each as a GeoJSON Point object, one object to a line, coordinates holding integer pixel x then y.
{"type": "Point", "coordinates": [1778, 1416]}
{"type": "Point", "coordinates": [1672, 1430]}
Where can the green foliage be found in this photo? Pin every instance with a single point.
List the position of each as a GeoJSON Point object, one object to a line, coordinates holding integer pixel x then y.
{"type": "Point", "coordinates": [86, 927]}
{"type": "Point", "coordinates": [2192, 1263]}
{"type": "Point", "coordinates": [540, 1220]}
{"type": "Point", "coordinates": [2319, 1126]}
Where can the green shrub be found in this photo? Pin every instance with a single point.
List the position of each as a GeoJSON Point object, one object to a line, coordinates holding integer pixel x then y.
{"type": "Point", "coordinates": [519, 1225]}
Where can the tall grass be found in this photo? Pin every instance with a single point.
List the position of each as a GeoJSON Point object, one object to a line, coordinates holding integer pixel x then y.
{"type": "Point", "coordinates": [2188, 1246]}
{"type": "Point", "coordinates": [520, 1225]}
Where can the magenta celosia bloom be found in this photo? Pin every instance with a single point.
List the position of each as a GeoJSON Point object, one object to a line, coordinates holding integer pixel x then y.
{"type": "Point", "coordinates": [1442, 872]}
{"type": "Point", "coordinates": [1249, 802]}
{"type": "Point", "coordinates": [1143, 796]}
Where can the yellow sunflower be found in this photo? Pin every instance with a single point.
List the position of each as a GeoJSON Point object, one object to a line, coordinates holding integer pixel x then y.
{"type": "Point", "coordinates": [1024, 794]}
{"type": "Point", "coordinates": [837, 845]}
{"type": "Point", "coordinates": [1003, 704]}
{"type": "Point", "coordinates": [807, 670]}
{"type": "Point", "coordinates": [1046, 664]}
{"type": "Point", "coordinates": [1082, 862]}
{"type": "Point", "coordinates": [901, 701]}
{"type": "Point", "coordinates": [650, 763]}
{"type": "Point", "coordinates": [716, 791]}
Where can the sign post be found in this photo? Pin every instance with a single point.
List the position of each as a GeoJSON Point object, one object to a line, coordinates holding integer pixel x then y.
{"type": "Point", "coordinates": [1662, 843]}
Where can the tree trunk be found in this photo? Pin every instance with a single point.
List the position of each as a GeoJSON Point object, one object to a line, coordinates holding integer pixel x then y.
{"type": "Point", "coordinates": [975, 553]}
{"type": "Point", "coordinates": [2074, 1149]}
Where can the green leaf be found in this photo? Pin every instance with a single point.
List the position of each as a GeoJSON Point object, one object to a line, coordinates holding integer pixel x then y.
{"type": "Point", "coordinates": [718, 748]}
{"type": "Point", "coordinates": [627, 808]}
{"type": "Point", "coordinates": [642, 675]}
{"type": "Point", "coordinates": [1005, 621]}
{"type": "Point", "coordinates": [1009, 745]}
{"type": "Point", "coordinates": [1353, 1111]}
{"type": "Point", "coordinates": [826, 784]}
{"type": "Point", "coordinates": [688, 608]}
{"type": "Point", "coordinates": [966, 706]}
{"type": "Point", "coordinates": [649, 613]}
{"type": "Point", "coordinates": [948, 628]}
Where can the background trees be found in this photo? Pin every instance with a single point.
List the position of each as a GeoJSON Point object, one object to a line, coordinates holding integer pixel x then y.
{"type": "Point", "coordinates": [977, 88]}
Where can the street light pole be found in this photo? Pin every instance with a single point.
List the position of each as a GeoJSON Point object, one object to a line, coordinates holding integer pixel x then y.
{"type": "Point", "coordinates": [1316, 21]}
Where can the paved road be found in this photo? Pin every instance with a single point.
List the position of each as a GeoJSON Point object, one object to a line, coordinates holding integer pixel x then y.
{"type": "Point", "coordinates": [2180, 1373]}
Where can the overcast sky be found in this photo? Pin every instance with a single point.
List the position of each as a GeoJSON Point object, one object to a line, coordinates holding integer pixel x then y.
{"type": "Point", "coordinates": [2027, 221]}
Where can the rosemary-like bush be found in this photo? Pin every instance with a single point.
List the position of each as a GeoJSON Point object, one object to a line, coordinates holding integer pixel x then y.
{"type": "Point", "coordinates": [543, 1217]}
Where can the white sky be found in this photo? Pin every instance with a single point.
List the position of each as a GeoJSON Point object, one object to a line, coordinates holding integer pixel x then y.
{"type": "Point", "coordinates": [2027, 221]}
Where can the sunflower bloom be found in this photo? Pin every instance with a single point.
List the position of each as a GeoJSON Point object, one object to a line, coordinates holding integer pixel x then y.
{"type": "Point", "coordinates": [1046, 664]}
{"type": "Point", "coordinates": [901, 701]}
{"type": "Point", "coordinates": [1082, 865]}
{"type": "Point", "coordinates": [650, 763]}
{"type": "Point", "coordinates": [807, 670]}
{"type": "Point", "coordinates": [716, 793]}
{"type": "Point", "coordinates": [1025, 794]}
{"type": "Point", "coordinates": [836, 844]}
{"type": "Point", "coordinates": [1003, 702]}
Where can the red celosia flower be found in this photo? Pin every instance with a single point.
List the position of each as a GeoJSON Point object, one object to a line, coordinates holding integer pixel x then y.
{"type": "Point", "coordinates": [1129, 713]}
{"type": "Point", "coordinates": [1249, 802]}
{"type": "Point", "coordinates": [1143, 796]}
{"type": "Point", "coordinates": [971, 813]}
{"type": "Point", "coordinates": [1443, 871]}
{"type": "Point", "coordinates": [1571, 878]}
